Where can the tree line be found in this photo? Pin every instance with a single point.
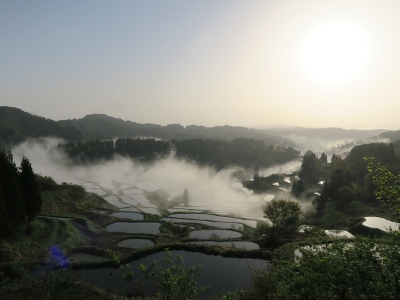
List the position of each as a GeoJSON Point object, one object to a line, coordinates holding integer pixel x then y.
{"type": "Point", "coordinates": [20, 200]}
{"type": "Point", "coordinates": [219, 153]}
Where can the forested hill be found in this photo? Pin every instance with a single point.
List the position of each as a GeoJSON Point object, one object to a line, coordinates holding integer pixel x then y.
{"type": "Point", "coordinates": [17, 125]}
{"type": "Point", "coordinates": [103, 126]}
{"type": "Point", "coordinates": [391, 135]}
{"type": "Point", "coordinates": [326, 133]}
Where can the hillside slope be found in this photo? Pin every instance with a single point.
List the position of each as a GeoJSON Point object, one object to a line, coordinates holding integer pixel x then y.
{"type": "Point", "coordinates": [17, 125]}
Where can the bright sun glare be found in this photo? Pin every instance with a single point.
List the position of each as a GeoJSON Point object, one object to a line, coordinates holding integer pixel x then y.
{"type": "Point", "coordinates": [334, 52]}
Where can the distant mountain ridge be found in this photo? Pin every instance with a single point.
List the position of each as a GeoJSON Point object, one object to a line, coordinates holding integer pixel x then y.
{"type": "Point", "coordinates": [391, 135]}
{"type": "Point", "coordinates": [17, 125]}
{"type": "Point", "coordinates": [104, 126]}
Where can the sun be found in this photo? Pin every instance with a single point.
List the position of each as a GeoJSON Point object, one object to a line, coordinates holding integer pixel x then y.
{"type": "Point", "coordinates": [334, 53]}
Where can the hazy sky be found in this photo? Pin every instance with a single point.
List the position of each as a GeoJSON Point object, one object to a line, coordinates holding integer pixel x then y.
{"type": "Point", "coordinates": [306, 63]}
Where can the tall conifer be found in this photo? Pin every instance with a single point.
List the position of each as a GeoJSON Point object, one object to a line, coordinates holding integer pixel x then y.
{"type": "Point", "coordinates": [31, 197]}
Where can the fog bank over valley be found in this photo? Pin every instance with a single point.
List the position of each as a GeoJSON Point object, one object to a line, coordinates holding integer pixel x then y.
{"type": "Point", "coordinates": [208, 189]}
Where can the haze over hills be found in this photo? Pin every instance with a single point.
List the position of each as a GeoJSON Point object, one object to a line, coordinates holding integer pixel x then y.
{"type": "Point", "coordinates": [327, 133]}
{"type": "Point", "coordinates": [17, 125]}
{"type": "Point", "coordinates": [103, 126]}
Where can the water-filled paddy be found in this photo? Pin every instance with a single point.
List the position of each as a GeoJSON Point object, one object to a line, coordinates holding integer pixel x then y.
{"type": "Point", "coordinates": [224, 225]}
{"type": "Point", "coordinates": [380, 223]}
{"type": "Point", "coordinates": [136, 227]}
{"type": "Point", "coordinates": [114, 201]}
{"type": "Point", "coordinates": [128, 215]}
{"type": "Point", "coordinates": [207, 217]}
{"type": "Point", "coordinates": [136, 243]}
{"type": "Point", "coordinates": [233, 244]}
{"type": "Point", "coordinates": [133, 192]}
{"type": "Point", "coordinates": [221, 273]}
{"type": "Point", "coordinates": [128, 200]}
{"type": "Point", "coordinates": [223, 234]}
{"type": "Point", "coordinates": [145, 202]}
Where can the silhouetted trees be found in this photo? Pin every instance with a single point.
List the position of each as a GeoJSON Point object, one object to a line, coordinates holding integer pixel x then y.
{"type": "Point", "coordinates": [298, 187]}
{"type": "Point", "coordinates": [31, 197]}
{"type": "Point", "coordinates": [20, 200]}
{"type": "Point", "coordinates": [218, 153]}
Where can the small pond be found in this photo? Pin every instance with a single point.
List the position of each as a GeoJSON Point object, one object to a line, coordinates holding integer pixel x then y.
{"type": "Point", "coordinates": [250, 223]}
{"type": "Point", "coordinates": [222, 274]}
{"type": "Point", "coordinates": [81, 256]}
{"type": "Point", "coordinates": [136, 243]}
{"type": "Point", "coordinates": [233, 244]}
{"type": "Point", "coordinates": [224, 225]}
{"type": "Point", "coordinates": [223, 234]}
{"type": "Point", "coordinates": [136, 227]}
{"type": "Point", "coordinates": [128, 215]}
{"type": "Point", "coordinates": [380, 223]}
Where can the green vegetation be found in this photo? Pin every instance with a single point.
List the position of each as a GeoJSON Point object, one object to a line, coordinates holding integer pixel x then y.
{"type": "Point", "coordinates": [363, 268]}
{"type": "Point", "coordinates": [284, 214]}
{"type": "Point", "coordinates": [366, 268]}
{"type": "Point", "coordinates": [20, 200]}
{"type": "Point", "coordinates": [174, 281]}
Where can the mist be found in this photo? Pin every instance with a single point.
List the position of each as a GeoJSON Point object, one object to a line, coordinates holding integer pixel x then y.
{"type": "Point", "coordinates": [207, 188]}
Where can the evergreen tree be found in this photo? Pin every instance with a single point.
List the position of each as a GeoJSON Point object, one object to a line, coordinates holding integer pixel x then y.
{"type": "Point", "coordinates": [297, 188]}
{"type": "Point", "coordinates": [3, 215]}
{"type": "Point", "coordinates": [324, 158]}
{"type": "Point", "coordinates": [309, 166]}
{"type": "Point", "coordinates": [31, 197]}
{"type": "Point", "coordinates": [294, 188]}
{"type": "Point", "coordinates": [10, 191]}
